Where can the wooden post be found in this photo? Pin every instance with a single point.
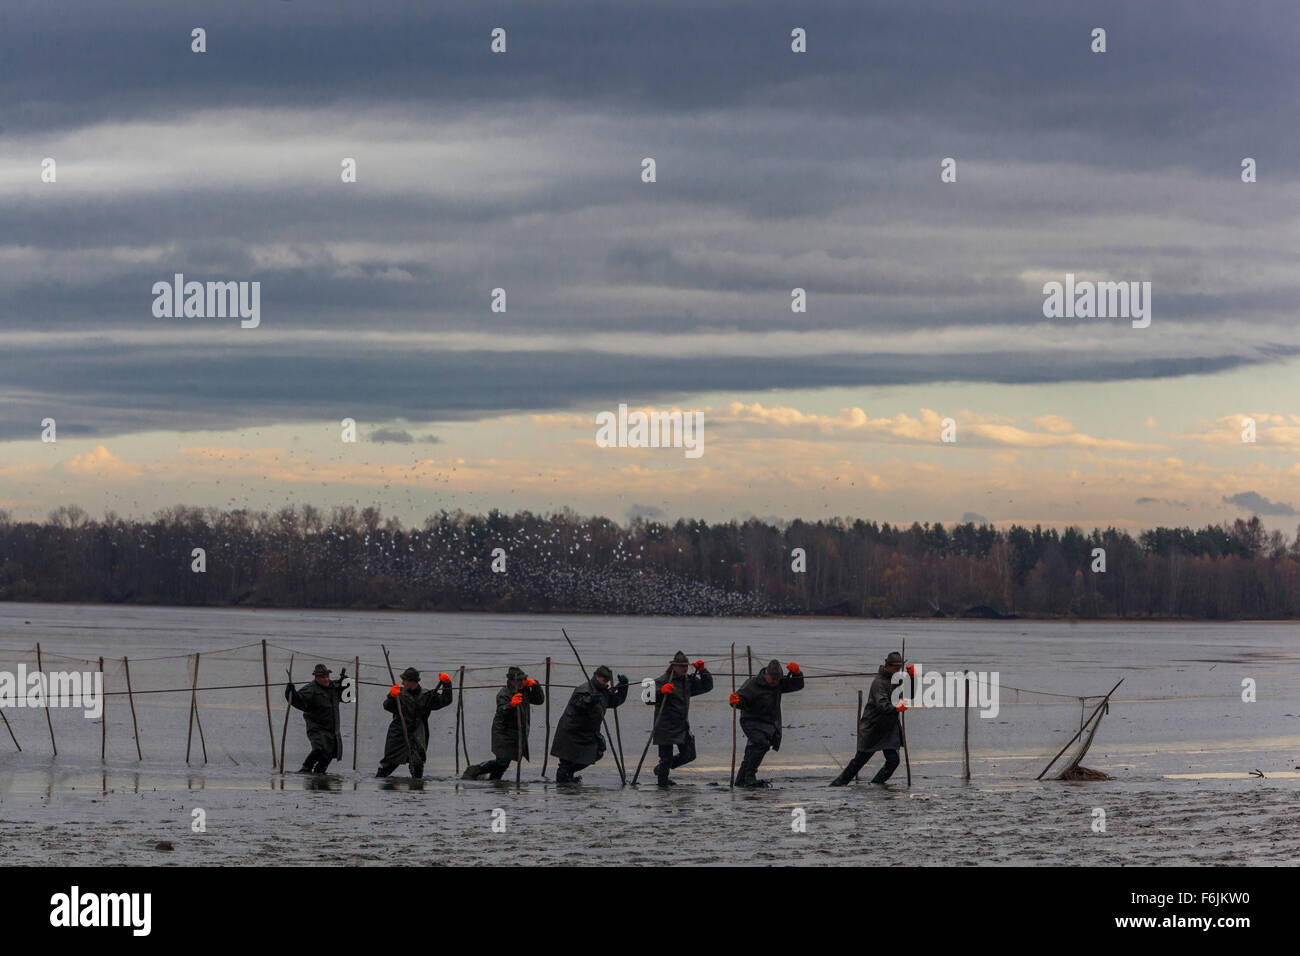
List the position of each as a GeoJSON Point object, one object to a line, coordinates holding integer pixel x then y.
{"type": "Point", "coordinates": [103, 719]}
{"type": "Point", "coordinates": [49, 723]}
{"type": "Point", "coordinates": [460, 707]}
{"type": "Point", "coordinates": [464, 734]}
{"type": "Point", "coordinates": [902, 725]}
{"type": "Point", "coordinates": [546, 747]}
{"type": "Point", "coordinates": [965, 732]}
{"type": "Point", "coordinates": [194, 715]}
{"type": "Point", "coordinates": [663, 706]}
{"type": "Point", "coordinates": [519, 745]}
{"type": "Point", "coordinates": [189, 733]}
{"type": "Point", "coordinates": [130, 696]}
{"type": "Point", "coordinates": [618, 732]}
{"type": "Point", "coordinates": [198, 718]}
{"type": "Point", "coordinates": [11, 730]}
{"type": "Point", "coordinates": [266, 685]}
{"type": "Point", "coordinates": [855, 719]}
{"type": "Point", "coordinates": [749, 656]}
{"type": "Point", "coordinates": [356, 705]}
{"type": "Point", "coordinates": [731, 782]}
{"type": "Point", "coordinates": [288, 705]}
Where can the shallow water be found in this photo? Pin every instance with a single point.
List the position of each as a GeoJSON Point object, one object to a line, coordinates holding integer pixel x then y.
{"type": "Point", "coordinates": [1179, 741]}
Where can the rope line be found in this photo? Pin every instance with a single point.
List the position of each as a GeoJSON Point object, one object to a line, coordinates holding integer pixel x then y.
{"type": "Point", "coordinates": [555, 663]}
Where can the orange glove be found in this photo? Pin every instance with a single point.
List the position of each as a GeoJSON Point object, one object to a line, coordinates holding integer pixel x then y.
{"type": "Point", "coordinates": [902, 706]}
{"type": "Point", "coordinates": [444, 678]}
{"type": "Point", "coordinates": [530, 683]}
{"type": "Point", "coordinates": [734, 699]}
{"type": "Point", "coordinates": [911, 670]}
{"type": "Point", "coordinates": [793, 668]}
{"type": "Point", "coordinates": [516, 700]}
{"type": "Point", "coordinates": [666, 689]}
{"type": "Point", "coordinates": [394, 690]}
{"type": "Point", "coordinates": [699, 665]}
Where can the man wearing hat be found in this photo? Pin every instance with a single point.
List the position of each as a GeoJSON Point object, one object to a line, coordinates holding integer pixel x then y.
{"type": "Point", "coordinates": [759, 701]}
{"type": "Point", "coordinates": [513, 703]}
{"type": "Point", "coordinates": [411, 722]}
{"type": "Point", "coordinates": [878, 727]}
{"type": "Point", "coordinates": [673, 693]}
{"type": "Point", "coordinates": [578, 742]}
{"type": "Point", "coordinates": [319, 703]}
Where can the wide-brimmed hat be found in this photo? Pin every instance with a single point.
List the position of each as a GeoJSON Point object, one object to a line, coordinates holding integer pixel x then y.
{"type": "Point", "coordinates": [320, 669]}
{"type": "Point", "coordinates": [680, 658]}
{"type": "Point", "coordinates": [894, 658]}
{"type": "Point", "coordinates": [410, 674]}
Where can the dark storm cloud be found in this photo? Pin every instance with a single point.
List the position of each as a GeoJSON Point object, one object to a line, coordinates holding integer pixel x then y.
{"type": "Point", "coordinates": [1172, 68]}
{"type": "Point", "coordinates": [775, 171]}
{"type": "Point", "coordinates": [123, 390]}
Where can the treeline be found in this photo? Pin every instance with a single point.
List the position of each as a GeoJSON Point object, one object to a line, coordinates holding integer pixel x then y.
{"type": "Point", "coordinates": [301, 557]}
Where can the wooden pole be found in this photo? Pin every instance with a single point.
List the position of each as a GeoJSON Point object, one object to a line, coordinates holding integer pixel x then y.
{"type": "Point", "coordinates": [965, 733]}
{"type": "Point", "coordinates": [103, 720]}
{"type": "Point", "coordinates": [460, 707]}
{"type": "Point", "coordinates": [49, 723]}
{"type": "Point", "coordinates": [546, 747]}
{"type": "Point", "coordinates": [902, 726]}
{"type": "Point", "coordinates": [618, 732]}
{"type": "Point", "coordinates": [621, 774]}
{"type": "Point", "coordinates": [856, 716]}
{"type": "Point", "coordinates": [189, 734]}
{"type": "Point", "coordinates": [130, 696]}
{"type": "Point", "coordinates": [731, 782]}
{"type": "Point", "coordinates": [663, 706]}
{"type": "Point", "coordinates": [198, 718]}
{"type": "Point", "coordinates": [519, 745]}
{"type": "Point", "coordinates": [464, 731]}
{"type": "Point", "coordinates": [356, 705]}
{"type": "Point", "coordinates": [288, 706]}
{"type": "Point", "coordinates": [11, 731]}
{"type": "Point", "coordinates": [397, 703]}
{"type": "Point", "coordinates": [618, 756]}
{"type": "Point", "coordinates": [266, 685]}
{"type": "Point", "coordinates": [1104, 702]}
{"type": "Point", "coordinates": [749, 656]}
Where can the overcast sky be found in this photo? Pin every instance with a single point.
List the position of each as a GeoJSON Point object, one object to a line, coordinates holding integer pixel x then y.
{"type": "Point", "coordinates": [775, 170]}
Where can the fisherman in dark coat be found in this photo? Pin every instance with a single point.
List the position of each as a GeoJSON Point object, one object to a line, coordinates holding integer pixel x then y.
{"type": "Point", "coordinates": [578, 742]}
{"type": "Point", "coordinates": [319, 703]}
{"type": "Point", "coordinates": [673, 693]}
{"type": "Point", "coordinates": [416, 703]}
{"type": "Point", "coordinates": [759, 701]}
{"type": "Point", "coordinates": [879, 727]}
{"type": "Point", "coordinates": [513, 703]}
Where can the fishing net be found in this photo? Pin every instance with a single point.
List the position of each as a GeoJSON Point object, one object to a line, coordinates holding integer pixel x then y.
{"type": "Point", "coordinates": [224, 711]}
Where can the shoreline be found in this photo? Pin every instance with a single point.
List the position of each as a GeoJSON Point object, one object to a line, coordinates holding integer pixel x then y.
{"type": "Point", "coordinates": [949, 618]}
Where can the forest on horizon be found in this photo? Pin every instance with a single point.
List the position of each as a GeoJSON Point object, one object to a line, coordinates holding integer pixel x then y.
{"type": "Point", "coordinates": [564, 562]}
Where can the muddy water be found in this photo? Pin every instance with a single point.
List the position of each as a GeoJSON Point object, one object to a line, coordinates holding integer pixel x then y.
{"type": "Point", "coordinates": [1183, 747]}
